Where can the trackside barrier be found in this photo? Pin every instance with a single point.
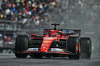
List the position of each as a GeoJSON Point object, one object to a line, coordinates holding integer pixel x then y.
{"type": "Point", "coordinates": [6, 50]}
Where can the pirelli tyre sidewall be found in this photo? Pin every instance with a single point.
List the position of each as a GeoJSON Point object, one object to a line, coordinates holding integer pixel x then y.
{"type": "Point", "coordinates": [21, 43]}
{"type": "Point", "coordinates": [85, 48]}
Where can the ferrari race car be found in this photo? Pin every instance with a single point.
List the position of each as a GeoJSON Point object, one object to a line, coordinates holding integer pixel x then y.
{"type": "Point", "coordinates": [54, 43]}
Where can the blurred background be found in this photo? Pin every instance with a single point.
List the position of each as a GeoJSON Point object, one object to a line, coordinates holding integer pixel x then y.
{"type": "Point", "coordinates": [33, 16]}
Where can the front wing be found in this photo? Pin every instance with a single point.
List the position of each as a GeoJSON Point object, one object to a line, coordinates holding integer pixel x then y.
{"type": "Point", "coordinates": [50, 51]}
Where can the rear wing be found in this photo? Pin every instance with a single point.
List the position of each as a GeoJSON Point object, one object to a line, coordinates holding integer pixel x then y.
{"type": "Point", "coordinates": [71, 31]}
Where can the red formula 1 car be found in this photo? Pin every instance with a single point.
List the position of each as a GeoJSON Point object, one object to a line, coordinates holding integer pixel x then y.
{"type": "Point", "coordinates": [55, 43]}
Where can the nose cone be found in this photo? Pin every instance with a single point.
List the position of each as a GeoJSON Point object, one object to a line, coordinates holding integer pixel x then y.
{"type": "Point", "coordinates": [46, 44]}
{"type": "Point", "coordinates": [44, 49]}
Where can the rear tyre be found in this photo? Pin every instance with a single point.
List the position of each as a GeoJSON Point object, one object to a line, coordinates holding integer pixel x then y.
{"type": "Point", "coordinates": [71, 46]}
{"type": "Point", "coordinates": [85, 48]}
{"type": "Point", "coordinates": [21, 45]}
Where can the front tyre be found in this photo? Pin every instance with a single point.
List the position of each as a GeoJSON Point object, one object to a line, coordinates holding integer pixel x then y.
{"type": "Point", "coordinates": [21, 45]}
{"type": "Point", "coordinates": [20, 55]}
{"type": "Point", "coordinates": [73, 46]}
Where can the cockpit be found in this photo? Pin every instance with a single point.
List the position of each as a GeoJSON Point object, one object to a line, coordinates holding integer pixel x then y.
{"type": "Point", "coordinates": [52, 34]}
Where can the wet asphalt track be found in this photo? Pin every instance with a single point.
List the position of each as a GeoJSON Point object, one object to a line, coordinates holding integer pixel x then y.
{"type": "Point", "coordinates": [11, 60]}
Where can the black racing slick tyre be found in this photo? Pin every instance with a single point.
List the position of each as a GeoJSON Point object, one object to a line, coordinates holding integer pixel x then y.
{"type": "Point", "coordinates": [85, 48]}
{"type": "Point", "coordinates": [20, 55]}
{"type": "Point", "coordinates": [21, 43]}
{"type": "Point", "coordinates": [71, 46]}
